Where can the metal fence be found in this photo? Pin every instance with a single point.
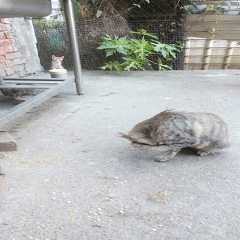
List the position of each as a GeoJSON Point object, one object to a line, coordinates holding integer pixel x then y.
{"type": "Point", "coordinates": [94, 18]}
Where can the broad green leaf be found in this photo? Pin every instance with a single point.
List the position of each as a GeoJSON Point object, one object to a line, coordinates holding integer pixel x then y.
{"type": "Point", "coordinates": [109, 53]}
{"type": "Point", "coordinates": [111, 65]}
{"type": "Point", "coordinates": [145, 33]}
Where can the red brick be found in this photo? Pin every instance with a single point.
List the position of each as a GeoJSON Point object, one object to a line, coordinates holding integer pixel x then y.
{"type": "Point", "coordinates": [18, 54]}
{"type": "Point", "coordinates": [3, 26]}
{"type": "Point", "coordinates": [5, 42]}
{"type": "Point", "coordinates": [3, 20]}
{"type": "Point", "coordinates": [10, 56]}
{"type": "Point", "coordinates": [2, 51]}
{"type": "Point", "coordinates": [18, 67]}
{"type": "Point", "coordinates": [13, 55]}
{"type": "Point", "coordinates": [9, 71]}
{"type": "Point", "coordinates": [2, 65]}
{"type": "Point", "coordinates": [8, 35]}
{"type": "Point", "coordinates": [8, 49]}
{"type": "Point", "coordinates": [16, 48]}
{"type": "Point", "coordinates": [2, 35]}
{"type": "Point", "coordinates": [10, 64]}
{"type": "Point", "coordinates": [19, 61]}
{"type": "Point", "coordinates": [2, 58]}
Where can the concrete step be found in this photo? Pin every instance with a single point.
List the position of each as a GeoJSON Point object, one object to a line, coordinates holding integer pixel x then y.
{"type": "Point", "coordinates": [7, 143]}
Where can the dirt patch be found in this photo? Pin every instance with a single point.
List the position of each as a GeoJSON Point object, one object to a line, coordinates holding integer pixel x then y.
{"type": "Point", "coordinates": [160, 196]}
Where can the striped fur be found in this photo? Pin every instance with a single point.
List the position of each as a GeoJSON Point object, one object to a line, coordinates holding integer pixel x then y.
{"type": "Point", "coordinates": [172, 130]}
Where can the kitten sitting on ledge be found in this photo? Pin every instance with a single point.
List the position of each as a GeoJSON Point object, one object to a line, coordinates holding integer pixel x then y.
{"type": "Point", "coordinates": [57, 62]}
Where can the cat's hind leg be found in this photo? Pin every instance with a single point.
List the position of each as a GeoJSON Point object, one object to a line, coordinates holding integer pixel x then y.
{"type": "Point", "coordinates": [206, 150]}
{"type": "Point", "coordinates": [166, 155]}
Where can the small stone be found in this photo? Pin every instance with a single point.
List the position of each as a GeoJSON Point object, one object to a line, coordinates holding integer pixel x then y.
{"type": "Point", "coordinates": [188, 227]}
{"type": "Point", "coordinates": [97, 225]}
{"type": "Point", "coordinates": [68, 201]}
{"type": "Point", "coordinates": [154, 230]}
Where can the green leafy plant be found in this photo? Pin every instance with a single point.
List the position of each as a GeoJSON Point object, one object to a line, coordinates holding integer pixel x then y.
{"type": "Point", "coordinates": [217, 8]}
{"type": "Point", "coordinates": [136, 53]}
{"type": "Point", "coordinates": [45, 24]}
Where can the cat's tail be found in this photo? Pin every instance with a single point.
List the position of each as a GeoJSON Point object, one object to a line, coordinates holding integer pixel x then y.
{"type": "Point", "coordinates": [124, 135]}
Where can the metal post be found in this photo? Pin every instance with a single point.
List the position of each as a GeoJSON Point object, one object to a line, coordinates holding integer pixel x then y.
{"type": "Point", "coordinates": [69, 15]}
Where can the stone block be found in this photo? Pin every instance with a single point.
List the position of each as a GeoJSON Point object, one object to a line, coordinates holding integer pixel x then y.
{"type": "Point", "coordinates": [7, 143]}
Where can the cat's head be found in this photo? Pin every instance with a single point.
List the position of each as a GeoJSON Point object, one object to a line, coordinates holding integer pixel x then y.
{"type": "Point", "coordinates": [57, 59]}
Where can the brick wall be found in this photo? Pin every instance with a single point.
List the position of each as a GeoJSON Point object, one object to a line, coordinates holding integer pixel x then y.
{"type": "Point", "coordinates": [11, 61]}
{"type": "Point", "coordinates": [13, 53]}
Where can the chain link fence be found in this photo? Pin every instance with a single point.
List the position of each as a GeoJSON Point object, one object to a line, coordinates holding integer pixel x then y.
{"type": "Point", "coordinates": [94, 18]}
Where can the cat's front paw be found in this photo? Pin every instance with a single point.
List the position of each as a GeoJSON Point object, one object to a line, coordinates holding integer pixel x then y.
{"type": "Point", "coordinates": [201, 153]}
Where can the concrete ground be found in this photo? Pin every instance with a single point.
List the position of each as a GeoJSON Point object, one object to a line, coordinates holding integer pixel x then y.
{"type": "Point", "coordinates": [73, 178]}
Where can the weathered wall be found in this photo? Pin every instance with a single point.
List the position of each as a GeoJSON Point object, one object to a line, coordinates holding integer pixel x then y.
{"type": "Point", "coordinates": [18, 52]}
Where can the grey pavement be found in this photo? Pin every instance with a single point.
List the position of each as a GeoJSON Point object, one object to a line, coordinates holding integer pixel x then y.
{"type": "Point", "coordinates": [73, 178]}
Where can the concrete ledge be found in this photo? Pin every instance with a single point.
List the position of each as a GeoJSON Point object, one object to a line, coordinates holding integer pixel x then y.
{"type": "Point", "coordinates": [7, 143]}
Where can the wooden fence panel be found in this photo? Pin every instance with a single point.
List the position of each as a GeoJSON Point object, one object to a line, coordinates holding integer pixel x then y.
{"type": "Point", "coordinates": [212, 41]}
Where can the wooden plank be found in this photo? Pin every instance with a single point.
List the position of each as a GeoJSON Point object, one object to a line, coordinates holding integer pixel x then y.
{"type": "Point", "coordinates": [212, 18]}
{"type": "Point", "coordinates": [214, 2]}
{"type": "Point", "coordinates": [207, 54]}
{"type": "Point", "coordinates": [187, 53]}
{"type": "Point", "coordinates": [229, 53]}
{"type": "Point", "coordinates": [222, 27]}
{"type": "Point", "coordinates": [219, 35]}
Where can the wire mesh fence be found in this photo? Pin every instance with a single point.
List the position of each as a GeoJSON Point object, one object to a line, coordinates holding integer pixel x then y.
{"type": "Point", "coordinates": [95, 18]}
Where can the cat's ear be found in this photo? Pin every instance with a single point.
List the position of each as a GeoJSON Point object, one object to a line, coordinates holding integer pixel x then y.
{"type": "Point", "coordinates": [62, 57]}
{"type": "Point", "coordinates": [53, 56]}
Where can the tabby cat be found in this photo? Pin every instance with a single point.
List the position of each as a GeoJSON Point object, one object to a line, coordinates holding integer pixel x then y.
{"type": "Point", "coordinates": [14, 93]}
{"type": "Point", "coordinates": [172, 130]}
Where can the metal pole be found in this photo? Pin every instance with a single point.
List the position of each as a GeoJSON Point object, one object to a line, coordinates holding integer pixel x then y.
{"type": "Point", "coordinates": [69, 15]}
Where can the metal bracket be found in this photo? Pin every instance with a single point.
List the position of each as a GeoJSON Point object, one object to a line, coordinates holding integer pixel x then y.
{"type": "Point", "coordinates": [50, 86]}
